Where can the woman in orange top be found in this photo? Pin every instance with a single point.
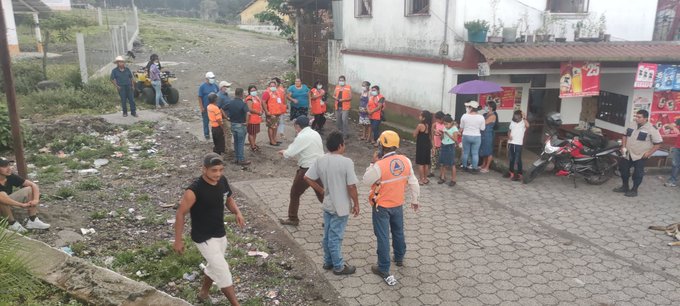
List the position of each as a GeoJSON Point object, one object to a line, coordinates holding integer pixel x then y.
{"type": "Point", "coordinates": [376, 103]}
{"type": "Point", "coordinates": [254, 117]}
{"type": "Point", "coordinates": [318, 105]}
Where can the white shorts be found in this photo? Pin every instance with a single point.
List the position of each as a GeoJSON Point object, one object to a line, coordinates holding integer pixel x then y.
{"type": "Point", "coordinates": [217, 268]}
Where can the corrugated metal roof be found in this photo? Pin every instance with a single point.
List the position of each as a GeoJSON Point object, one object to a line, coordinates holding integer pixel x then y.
{"type": "Point", "coordinates": [30, 6]}
{"type": "Point", "coordinates": [578, 51]}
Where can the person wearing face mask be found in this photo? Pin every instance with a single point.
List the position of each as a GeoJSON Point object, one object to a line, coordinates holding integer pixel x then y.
{"type": "Point", "coordinates": [298, 95]}
{"type": "Point", "coordinates": [343, 101]}
{"type": "Point", "coordinates": [376, 103]}
{"type": "Point", "coordinates": [318, 106]}
{"type": "Point", "coordinates": [282, 93]}
{"type": "Point", "coordinates": [274, 107]}
{"type": "Point", "coordinates": [364, 122]}
{"type": "Point", "coordinates": [254, 118]}
{"type": "Point", "coordinates": [486, 148]}
{"type": "Point", "coordinates": [154, 68]}
{"type": "Point", "coordinates": [472, 125]}
{"type": "Point", "coordinates": [204, 91]}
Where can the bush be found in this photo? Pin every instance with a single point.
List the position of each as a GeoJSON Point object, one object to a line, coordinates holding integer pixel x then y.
{"type": "Point", "coordinates": [68, 75]}
{"type": "Point", "coordinates": [5, 128]}
{"type": "Point", "coordinates": [95, 97]}
{"type": "Point", "coordinates": [27, 74]}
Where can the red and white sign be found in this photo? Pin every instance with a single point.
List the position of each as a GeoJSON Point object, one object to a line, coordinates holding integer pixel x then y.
{"type": "Point", "coordinates": [665, 110]}
{"type": "Point", "coordinates": [644, 78]}
{"type": "Point", "coordinates": [579, 79]}
{"type": "Point", "coordinates": [504, 100]}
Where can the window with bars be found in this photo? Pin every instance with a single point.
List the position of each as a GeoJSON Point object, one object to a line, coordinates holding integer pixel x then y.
{"type": "Point", "coordinates": [567, 6]}
{"type": "Point", "coordinates": [363, 8]}
{"type": "Point", "coordinates": [417, 7]}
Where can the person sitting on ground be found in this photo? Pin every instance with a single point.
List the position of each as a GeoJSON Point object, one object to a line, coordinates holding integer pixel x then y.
{"type": "Point", "coordinates": [28, 196]}
{"type": "Point", "coordinates": [338, 185]}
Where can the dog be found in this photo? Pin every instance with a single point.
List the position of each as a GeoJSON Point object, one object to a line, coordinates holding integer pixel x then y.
{"type": "Point", "coordinates": [672, 230]}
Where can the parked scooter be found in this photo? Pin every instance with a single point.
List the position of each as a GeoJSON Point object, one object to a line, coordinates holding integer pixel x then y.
{"type": "Point", "coordinates": [590, 156]}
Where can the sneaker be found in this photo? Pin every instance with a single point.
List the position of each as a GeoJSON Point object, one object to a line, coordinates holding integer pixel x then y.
{"type": "Point", "coordinates": [508, 175]}
{"type": "Point", "coordinates": [207, 137]}
{"type": "Point", "coordinates": [399, 263]}
{"type": "Point", "coordinates": [37, 224]}
{"type": "Point", "coordinates": [347, 270]}
{"type": "Point", "coordinates": [244, 163]}
{"type": "Point", "coordinates": [516, 178]}
{"type": "Point", "coordinates": [631, 193]}
{"type": "Point", "coordinates": [16, 227]}
{"type": "Point", "coordinates": [134, 115]}
{"type": "Point", "coordinates": [124, 114]}
{"type": "Point", "coordinates": [669, 184]}
{"type": "Point", "coordinates": [328, 267]}
{"type": "Point", "coordinates": [289, 222]}
{"type": "Point", "coordinates": [389, 279]}
{"type": "Point", "coordinates": [622, 189]}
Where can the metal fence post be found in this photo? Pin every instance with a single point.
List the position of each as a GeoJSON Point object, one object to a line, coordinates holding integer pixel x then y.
{"type": "Point", "coordinates": [99, 16]}
{"type": "Point", "coordinates": [123, 43]}
{"type": "Point", "coordinates": [80, 41]}
{"type": "Point", "coordinates": [125, 36]}
{"type": "Point", "coordinates": [114, 41]}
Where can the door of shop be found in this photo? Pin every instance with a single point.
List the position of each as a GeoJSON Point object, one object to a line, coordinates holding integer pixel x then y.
{"type": "Point", "coordinates": [541, 102]}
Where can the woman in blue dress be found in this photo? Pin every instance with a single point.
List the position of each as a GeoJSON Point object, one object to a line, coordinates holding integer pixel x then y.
{"type": "Point", "coordinates": [486, 149]}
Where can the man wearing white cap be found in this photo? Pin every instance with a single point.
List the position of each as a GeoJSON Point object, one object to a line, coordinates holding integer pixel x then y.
{"type": "Point", "coordinates": [204, 90]}
{"type": "Point", "coordinates": [223, 100]}
{"type": "Point", "coordinates": [122, 78]}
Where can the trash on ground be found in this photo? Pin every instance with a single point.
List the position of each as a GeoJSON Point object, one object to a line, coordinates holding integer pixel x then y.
{"type": "Point", "coordinates": [67, 250]}
{"type": "Point", "coordinates": [87, 231]}
{"type": "Point", "coordinates": [258, 253]}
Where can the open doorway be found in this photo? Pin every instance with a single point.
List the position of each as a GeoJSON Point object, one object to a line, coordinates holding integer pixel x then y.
{"type": "Point", "coordinates": [541, 102]}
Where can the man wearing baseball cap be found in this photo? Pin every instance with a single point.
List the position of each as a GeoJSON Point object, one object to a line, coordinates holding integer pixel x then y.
{"type": "Point", "coordinates": [204, 90]}
{"type": "Point", "coordinates": [27, 196]}
{"type": "Point", "coordinates": [205, 200]}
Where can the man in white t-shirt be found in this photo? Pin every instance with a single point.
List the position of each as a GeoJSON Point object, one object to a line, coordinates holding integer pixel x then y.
{"type": "Point", "coordinates": [339, 180]}
{"type": "Point", "coordinates": [518, 127]}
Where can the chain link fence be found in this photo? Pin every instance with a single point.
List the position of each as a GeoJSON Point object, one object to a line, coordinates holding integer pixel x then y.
{"type": "Point", "coordinates": [115, 36]}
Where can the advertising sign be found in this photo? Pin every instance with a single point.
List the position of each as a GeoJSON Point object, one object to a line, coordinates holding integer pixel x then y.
{"type": "Point", "coordinates": [505, 99]}
{"type": "Point", "coordinates": [665, 110]}
{"type": "Point", "coordinates": [644, 78]}
{"type": "Point", "coordinates": [665, 77]}
{"type": "Point", "coordinates": [579, 79]}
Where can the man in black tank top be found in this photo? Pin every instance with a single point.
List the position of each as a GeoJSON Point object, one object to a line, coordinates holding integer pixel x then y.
{"type": "Point", "coordinates": [205, 199]}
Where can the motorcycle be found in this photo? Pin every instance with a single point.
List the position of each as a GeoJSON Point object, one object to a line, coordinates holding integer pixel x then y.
{"type": "Point", "coordinates": [589, 156]}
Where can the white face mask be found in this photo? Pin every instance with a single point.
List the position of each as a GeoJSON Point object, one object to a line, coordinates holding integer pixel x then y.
{"type": "Point", "coordinates": [341, 83]}
{"type": "Point", "coordinates": [211, 81]}
{"type": "Point", "coordinates": [253, 93]}
{"type": "Point", "coordinates": [319, 86]}
{"type": "Point", "coordinates": [273, 88]}
{"type": "Point", "coordinates": [364, 88]}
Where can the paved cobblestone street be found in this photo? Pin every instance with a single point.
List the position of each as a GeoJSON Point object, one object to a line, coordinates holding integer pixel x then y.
{"type": "Point", "coordinates": [492, 241]}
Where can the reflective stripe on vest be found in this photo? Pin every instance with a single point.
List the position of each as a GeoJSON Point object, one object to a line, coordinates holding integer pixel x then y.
{"type": "Point", "coordinates": [389, 191]}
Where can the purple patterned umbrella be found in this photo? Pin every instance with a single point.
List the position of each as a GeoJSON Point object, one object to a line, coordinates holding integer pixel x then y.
{"type": "Point", "coordinates": [475, 87]}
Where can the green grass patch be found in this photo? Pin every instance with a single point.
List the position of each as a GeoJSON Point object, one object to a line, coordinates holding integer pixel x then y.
{"type": "Point", "coordinates": [76, 164]}
{"type": "Point", "coordinates": [91, 184]}
{"type": "Point", "coordinates": [160, 262]}
{"type": "Point", "coordinates": [43, 160]}
{"type": "Point", "coordinates": [65, 192]}
{"type": "Point", "coordinates": [50, 174]}
{"type": "Point", "coordinates": [148, 164]}
{"type": "Point", "coordinates": [98, 215]}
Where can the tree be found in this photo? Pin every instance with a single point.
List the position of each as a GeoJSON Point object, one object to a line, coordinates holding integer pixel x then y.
{"type": "Point", "coordinates": [208, 9]}
{"type": "Point", "coordinates": [56, 28]}
{"type": "Point", "coordinates": [274, 13]}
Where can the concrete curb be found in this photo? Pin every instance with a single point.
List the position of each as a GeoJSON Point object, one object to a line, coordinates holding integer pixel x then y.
{"type": "Point", "coordinates": [87, 282]}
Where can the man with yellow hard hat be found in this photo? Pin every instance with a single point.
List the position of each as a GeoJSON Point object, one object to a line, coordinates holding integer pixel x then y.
{"type": "Point", "coordinates": [388, 175]}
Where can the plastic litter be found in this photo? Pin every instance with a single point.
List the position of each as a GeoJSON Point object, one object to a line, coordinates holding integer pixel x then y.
{"type": "Point", "coordinates": [86, 231]}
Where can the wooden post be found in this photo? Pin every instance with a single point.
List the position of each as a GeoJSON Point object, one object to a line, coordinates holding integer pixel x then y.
{"type": "Point", "coordinates": [6, 60]}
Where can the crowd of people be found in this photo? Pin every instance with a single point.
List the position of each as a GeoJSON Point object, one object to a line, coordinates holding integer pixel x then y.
{"type": "Point", "coordinates": [331, 175]}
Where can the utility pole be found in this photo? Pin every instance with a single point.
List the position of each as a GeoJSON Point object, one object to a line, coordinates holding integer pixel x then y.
{"type": "Point", "coordinates": [6, 61]}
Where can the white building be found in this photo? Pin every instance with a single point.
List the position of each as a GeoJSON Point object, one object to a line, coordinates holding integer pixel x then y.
{"type": "Point", "coordinates": [417, 50]}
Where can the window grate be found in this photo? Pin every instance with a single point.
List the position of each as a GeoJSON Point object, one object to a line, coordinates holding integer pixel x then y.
{"type": "Point", "coordinates": [417, 7]}
{"type": "Point", "coordinates": [363, 8]}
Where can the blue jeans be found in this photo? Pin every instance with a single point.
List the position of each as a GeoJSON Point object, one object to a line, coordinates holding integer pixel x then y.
{"type": "Point", "coordinates": [206, 123]}
{"type": "Point", "coordinates": [126, 95]}
{"type": "Point", "coordinates": [675, 170]}
{"type": "Point", "coordinates": [386, 220]}
{"type": "Point", "coordinates": [239, 132]}
{"type": "Point", "coordinates": [471, 147]}
{"type": "Point", "coordinates": [333, 233]}
{"type": "Point", "coordinates": [515, 158]}
{"type": "Point", "coordinates": [375, 128]}
{"type": "Point", "coordinates": [159, 94]}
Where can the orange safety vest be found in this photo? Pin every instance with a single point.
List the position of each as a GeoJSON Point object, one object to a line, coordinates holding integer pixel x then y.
{"type": "Point", "coordinates": [257, 107]}
{"type": "Point", "coordinates": [276, 104]}
{"type": "Point", "coordinates": [283, 93]}
{"type": "Point", "coordinates": [318, 106]}
{"type": "Point", "coordinates": [346, 93]}
{"type": "Point", "coordinates": [389, 191]}
{"type": "Point", "coordinates": [373, 103]}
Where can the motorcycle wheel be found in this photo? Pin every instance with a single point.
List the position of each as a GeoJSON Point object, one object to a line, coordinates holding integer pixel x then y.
{"type": "Point", "coordinates": [533, 173]}
{"type": "Point", "coordinates": [608, 168]}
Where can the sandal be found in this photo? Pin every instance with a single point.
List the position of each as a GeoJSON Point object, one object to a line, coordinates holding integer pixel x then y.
{"type": "Point", "coordinates": [452, 183]}
{"type": "Point", "coordinates": [441, 180]}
